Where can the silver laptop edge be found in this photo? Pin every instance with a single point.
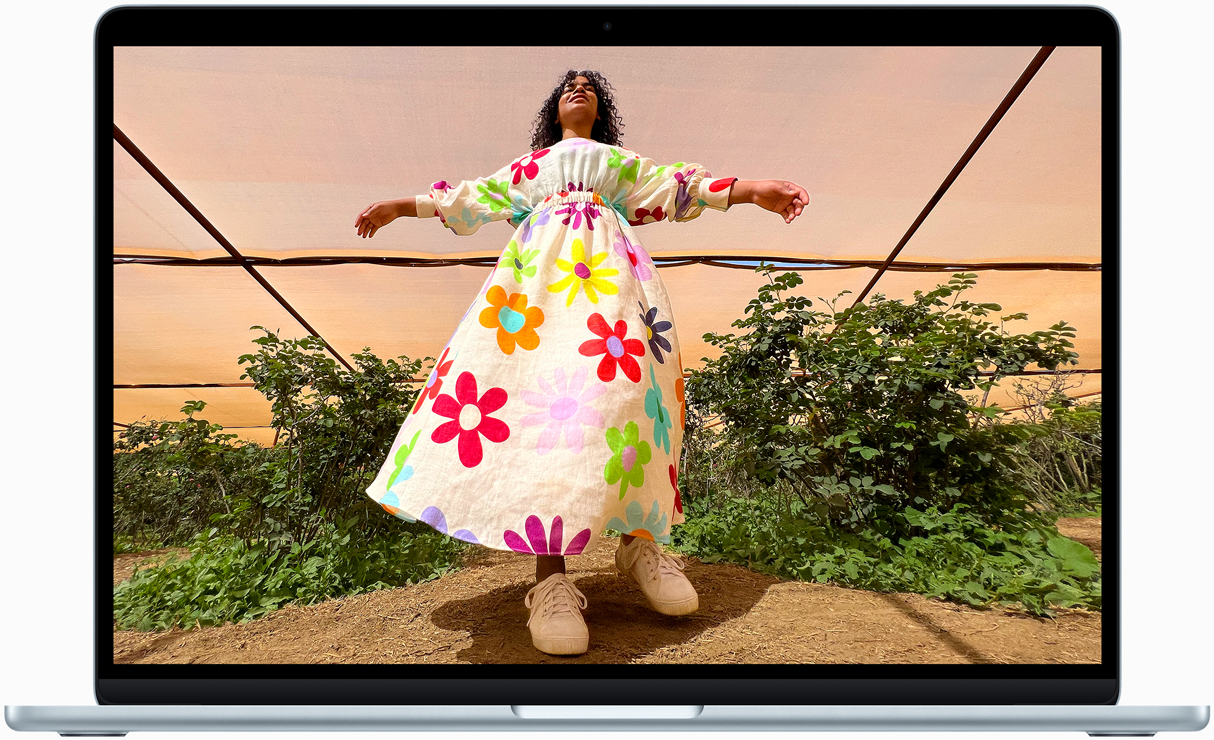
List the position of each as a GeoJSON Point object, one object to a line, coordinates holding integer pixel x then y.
{"type": "Point", "coordinates": [1095, 720]}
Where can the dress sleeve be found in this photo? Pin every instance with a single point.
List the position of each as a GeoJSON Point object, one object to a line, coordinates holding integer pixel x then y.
{"type": "Point", "coordinates": [671, 192]}
{"type": "Point", "coordinates": [464, 206]}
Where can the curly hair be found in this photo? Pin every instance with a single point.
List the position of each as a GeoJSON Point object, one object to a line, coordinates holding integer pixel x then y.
{"type": "Point", "coordinates": [547, 129]}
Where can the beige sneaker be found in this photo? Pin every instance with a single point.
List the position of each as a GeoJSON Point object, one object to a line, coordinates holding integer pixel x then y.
{"type": "Point", "coordinates": [659, 576]}
{"type": "Point", "coordinates": [556, 623]}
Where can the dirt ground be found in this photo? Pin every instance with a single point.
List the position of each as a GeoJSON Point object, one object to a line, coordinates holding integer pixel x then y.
{"type": "Point", "coordinates": [477, 615]}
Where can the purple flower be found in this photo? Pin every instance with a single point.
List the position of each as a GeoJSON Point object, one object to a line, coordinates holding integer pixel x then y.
{"type": "Point", "coordinates": [682, 198]}
{"type": "Point", "coordinates": [434, 517]}
{"type": "Point", "coordinates": [576, 210]}
{"type": "Point", "coordinates": [538, 544]}
{"type": "Point", "coordinates": [657, 342]}
{"type": "Point", "coordinates": [530, 224]}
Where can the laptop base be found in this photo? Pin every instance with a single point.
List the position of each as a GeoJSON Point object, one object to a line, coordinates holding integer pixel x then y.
{"type": "Point", "coordinates": [114, 720]}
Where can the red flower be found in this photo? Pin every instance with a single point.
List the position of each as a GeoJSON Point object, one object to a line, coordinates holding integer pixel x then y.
{"type": "Point", "coordinates": [470, 419]}
{"type": "Point", "coordinates": [614, 348]}
{"type": "Point", "coordinates": [646, 216]}
{"type": "Point", "coordinates": [435, 384]}
{"type": "Point", "coordinates": [526, 165]}
{"type": "Point", "coordinates": [674, 483]}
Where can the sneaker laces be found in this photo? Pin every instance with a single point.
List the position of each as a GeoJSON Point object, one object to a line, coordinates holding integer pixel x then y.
{"type": "Point", "coordinates": [556, 595]}
{"type": "Point", "coordinates": [658, 562]}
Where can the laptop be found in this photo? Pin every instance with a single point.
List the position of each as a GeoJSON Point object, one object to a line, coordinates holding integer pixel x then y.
{"type": "Point", "coordinates": [729, 532]}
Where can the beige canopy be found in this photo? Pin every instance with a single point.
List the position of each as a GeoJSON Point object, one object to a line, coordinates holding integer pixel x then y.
{"type": "Point", "coordinates": [279, 149]}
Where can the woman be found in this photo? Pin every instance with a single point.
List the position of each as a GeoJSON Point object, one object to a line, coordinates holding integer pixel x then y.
{"type": "Point", "coordinates": [556, 408]}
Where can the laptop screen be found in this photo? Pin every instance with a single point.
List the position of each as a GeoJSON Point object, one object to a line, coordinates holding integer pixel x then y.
{"type": "Point", "coordinates": [575, 341]}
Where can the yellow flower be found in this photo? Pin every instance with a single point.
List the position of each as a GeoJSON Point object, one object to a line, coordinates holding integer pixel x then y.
{"type": "Point", "coordinates": [583, 275]}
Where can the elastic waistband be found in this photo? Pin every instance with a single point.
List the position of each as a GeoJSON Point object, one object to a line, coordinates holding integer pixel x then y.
{"type": "Point", "coordinates": [573, 196]}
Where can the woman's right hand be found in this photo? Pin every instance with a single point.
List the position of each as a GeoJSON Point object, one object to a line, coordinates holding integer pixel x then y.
{"type": "Point", "coordinates": [375, 216]}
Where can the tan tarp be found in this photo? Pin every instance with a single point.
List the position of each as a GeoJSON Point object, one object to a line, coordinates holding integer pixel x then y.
{"type": "Point", "coordinates": [280, 148]}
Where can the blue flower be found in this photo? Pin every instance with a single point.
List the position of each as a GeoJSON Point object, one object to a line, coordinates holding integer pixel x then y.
{"type": "Point", "coordinates": [638, 525]}
{"type": "Point", "coordinates": [518, 209]}
{"type": "Point", "coordinates": [656, 411]}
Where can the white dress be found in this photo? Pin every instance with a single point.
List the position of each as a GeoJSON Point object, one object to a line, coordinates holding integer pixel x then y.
{"type": "Point", "coordinates": [556, 410]}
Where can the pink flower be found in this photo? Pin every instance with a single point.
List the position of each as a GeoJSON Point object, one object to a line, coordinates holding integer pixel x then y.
{"type": "Point", "coordinates": [537, 544]}
{"type": "Point", "coordinates": [470, 419]}
{"type": "Point", "coordinates": [526, 166]}
{"type": "Point", "coordinates": [635, 254]}
{"type": "Point", "coordinates": [566, 409]}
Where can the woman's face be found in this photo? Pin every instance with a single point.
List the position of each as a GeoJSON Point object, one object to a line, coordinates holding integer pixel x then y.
{"type": "Point", "coordinates": [579, 104]}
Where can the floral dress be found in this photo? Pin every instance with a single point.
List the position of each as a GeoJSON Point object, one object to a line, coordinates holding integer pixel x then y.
{"type": "Point", "coordinates": [556, 410]}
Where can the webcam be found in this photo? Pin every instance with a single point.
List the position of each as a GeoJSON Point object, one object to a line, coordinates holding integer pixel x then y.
{"type": "Point", "coordinates": [607, 26]}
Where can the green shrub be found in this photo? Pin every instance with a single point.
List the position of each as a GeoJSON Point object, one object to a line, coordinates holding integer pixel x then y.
{"type": "Point", "coordinates": [863, 423]}
{"type": "Point", "coordinates": [227, 579]}
{"type": "Point", "coordinates": [952, 555]}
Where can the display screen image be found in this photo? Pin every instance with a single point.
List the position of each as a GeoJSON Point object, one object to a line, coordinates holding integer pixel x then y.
{"type": "Point", "coordinates": [608, 355]}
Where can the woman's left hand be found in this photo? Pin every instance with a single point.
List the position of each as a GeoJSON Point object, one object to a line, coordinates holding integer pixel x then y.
{"type": "Point", "coordinates": [780, 196]}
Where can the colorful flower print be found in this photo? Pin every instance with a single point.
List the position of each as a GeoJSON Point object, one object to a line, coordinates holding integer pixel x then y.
{"type": "Point", "coordinates": [656, 411]}
{"type": "Point", "coordinates": [536, 220]}
{"type": "Point", "coordinates": [630, 456]}
{"type": "Point", "coordinates": [579, 188]}
{"type": "Point", "coordinates": [518, 209]}
{"type": "Point", "coordinates": [646, 216]}
{"type": "Point", "coordinates": [616, 350]}
{"type": "Point", "coordinates": [635, 254]}
{"type": "Point", "coordinates": [515, 323]}
{"type": "Point", "coordinates": [493, 194]}
{"type": "Point", "coordinates": [442, 186]}
{"type": "Point", "coordinates": [473, 220]}
{"type": "Point", "coordinates": [566, 409]}
{"type": "Point", "coordinates": [661, 171]}
{"type": "Point", "coordinates": [434, 384]}
{"type": "Point", "coordinates": [674, 483]}
{"type": "Point", "coordinates": [403, 472]}
{"type": "Point", "coordinates": [390, 504]}
{"type": "Point", "coordinates": [470, 419]}
{"type": "Point", "coordinates": [653, 335]}
{"type": "Point", "coordinates": [682, 199]}
{"type": "Point", "coordinates": [638, 525]}
{"type": "Point", "coordinates": [628, 164]}
{"type": "Point", "coordinates": [537, 544]}
{"type": "Point", "coordinates": [525, 166]}
{"type": "Point", "coordinates": [583, 275]}
{"type": "Point", "coordinates": [517, 261]}
{"type": "Point", "coordinates": [620, 204]}
{"type": "Point", "coordinates": [435, 518]}
{"type": "Point", "coordinates": [680, 394]}
{"type": "Point", "coordinates": [577, 210]}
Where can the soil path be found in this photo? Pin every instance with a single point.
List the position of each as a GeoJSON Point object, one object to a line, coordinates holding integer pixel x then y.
{"type": "Point", "coordinates": [476, 615]}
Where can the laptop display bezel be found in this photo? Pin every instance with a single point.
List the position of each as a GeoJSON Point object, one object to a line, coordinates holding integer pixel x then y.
{"type": "Point", "coordinates": [631, 25]}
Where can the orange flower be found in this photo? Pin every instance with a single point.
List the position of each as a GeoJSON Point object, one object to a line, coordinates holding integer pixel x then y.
{"type": "Point", "coordinates": [515, 323]}
{"type": "Point", "coordinates": [679, 394]}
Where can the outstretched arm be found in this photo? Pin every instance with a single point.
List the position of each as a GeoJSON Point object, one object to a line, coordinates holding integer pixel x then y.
{"type": "Point", "coordinates": [778, 196]}
{"type": "Point", "coordinates": [383, 213]}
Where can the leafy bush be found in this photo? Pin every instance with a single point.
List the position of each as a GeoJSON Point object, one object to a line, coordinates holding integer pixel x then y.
{"type": "Point", "coordinates": [270, 526]}
{"type": "Point", "coordinates": [228, 579]}
{"type": "Point", "coordinates": [863, 423]}
{"type": "Point", "coordinates": [952, 555]}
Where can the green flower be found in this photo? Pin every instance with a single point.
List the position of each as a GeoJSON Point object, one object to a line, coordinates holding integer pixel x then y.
{"type": "Point", "coordinates": [519, 262]}
{"type": "Point", "coordinates": [656, 411]}
{"type": "Point", "coordinates": [626, 465]}
{"type": "Point", "coordinates": [404, 472]}
{"type": "Point", "coordinates": [493, 194]}
{"type": "Point", "coordinates": [628, 165]}
{"type": "Point", "coordinates": [658, 172]}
